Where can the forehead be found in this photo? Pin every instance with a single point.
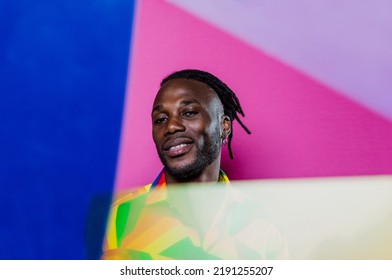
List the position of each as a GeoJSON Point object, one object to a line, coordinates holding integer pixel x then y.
{"type": "Point", "coordinates": [178, 90]}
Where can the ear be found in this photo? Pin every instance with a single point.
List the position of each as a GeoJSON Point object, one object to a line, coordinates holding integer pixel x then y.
{"type": "Point", "coordinates": [225, 127]}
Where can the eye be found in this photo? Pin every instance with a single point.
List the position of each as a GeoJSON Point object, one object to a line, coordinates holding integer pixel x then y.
{"type": "Point", "coordinates": [190, 113]}
{"type": "Point", "coordinates": [160, 120]}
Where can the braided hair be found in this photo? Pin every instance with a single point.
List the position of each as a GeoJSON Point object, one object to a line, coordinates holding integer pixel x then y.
{"type": "Point", "coordinates": [230, 102]}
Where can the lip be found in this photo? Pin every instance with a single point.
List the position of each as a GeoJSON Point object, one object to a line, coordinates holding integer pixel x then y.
{"type": "Point", "coordinates": [177, 147]}
{"type": "Point", "coordinates": [179, 150]}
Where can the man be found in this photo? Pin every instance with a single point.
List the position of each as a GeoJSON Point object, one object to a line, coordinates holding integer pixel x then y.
{"type": "Point", "coordinates": [190, 122]}
{"type": "Point", "coordinates": [192, 118]}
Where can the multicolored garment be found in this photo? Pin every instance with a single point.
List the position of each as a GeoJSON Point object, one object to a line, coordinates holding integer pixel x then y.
{"type": "Point", "coordinates": [145, 224]}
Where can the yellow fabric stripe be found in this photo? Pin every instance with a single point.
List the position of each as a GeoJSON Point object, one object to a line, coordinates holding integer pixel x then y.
{"type": "Point", "coordinates": [111, 236]}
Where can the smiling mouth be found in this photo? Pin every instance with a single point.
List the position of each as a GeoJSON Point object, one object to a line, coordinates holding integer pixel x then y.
{"type": "Point", "coordinates": [177, 147]}
{"type": "Point", "coordinates": [178, 150]}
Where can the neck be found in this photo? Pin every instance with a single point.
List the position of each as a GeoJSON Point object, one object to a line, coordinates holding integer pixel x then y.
{"type": "Point", "coordinates": [209, 174]}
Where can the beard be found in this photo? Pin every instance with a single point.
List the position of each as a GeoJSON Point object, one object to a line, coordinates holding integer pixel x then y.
{"type": "Point", "coordinates": [205, 156]}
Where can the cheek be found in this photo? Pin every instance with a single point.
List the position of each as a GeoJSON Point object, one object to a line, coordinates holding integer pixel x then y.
{"type": "Point", "coordinates": [197, 128]}
{"type": "Point", "coordinates": [203, 126]}
{"type": "Point", "coordinates": [203, 132]}
{"type": "Point", "coordinates": [156, 135]}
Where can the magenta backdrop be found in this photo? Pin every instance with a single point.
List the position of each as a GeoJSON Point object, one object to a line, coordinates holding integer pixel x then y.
{"type": "Point", "coordinates": [300, 127]}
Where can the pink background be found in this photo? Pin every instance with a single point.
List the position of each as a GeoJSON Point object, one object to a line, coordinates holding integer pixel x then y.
{"type": "Point", "coordinates": [301, 127]}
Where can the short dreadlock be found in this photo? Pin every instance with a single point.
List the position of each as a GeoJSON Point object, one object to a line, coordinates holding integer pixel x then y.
{"type": "Point", "coordinates": [231, 104]}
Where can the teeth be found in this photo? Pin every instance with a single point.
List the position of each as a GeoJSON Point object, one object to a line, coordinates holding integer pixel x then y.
{"type": "Point", "coordinates": [178, 146]}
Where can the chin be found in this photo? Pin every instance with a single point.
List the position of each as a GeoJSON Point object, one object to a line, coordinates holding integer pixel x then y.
{"type": "Point", "coordinates": [180, 164]}
{"type": "Point", "coordinates": [185, 171]}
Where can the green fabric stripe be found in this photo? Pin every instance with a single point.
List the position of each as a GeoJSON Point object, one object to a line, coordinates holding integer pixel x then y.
{"type": "Point", "coordinates": [139, 255]}
{"type": "Point", "coordinates": [121, 220]}
{"type": "Point", "coordinates": [127, 216]}
{"type": "Point", "coordinates": [185, 250]}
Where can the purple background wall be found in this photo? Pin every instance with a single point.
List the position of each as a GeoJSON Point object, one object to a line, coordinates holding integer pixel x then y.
{"type": "Point", "coordinates": [315, 93]}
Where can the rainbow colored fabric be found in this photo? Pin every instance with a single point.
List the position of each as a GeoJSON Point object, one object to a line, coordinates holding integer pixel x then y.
{"type": "Point", "coordinates": [143, 224]}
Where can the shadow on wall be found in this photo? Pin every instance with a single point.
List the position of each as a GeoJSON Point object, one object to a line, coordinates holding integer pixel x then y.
{"type": "Point", "coordinates": [96, 225]}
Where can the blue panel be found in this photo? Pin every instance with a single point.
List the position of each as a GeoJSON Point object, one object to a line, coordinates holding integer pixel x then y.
{"type": "Point", "coordinates": [63, 68]}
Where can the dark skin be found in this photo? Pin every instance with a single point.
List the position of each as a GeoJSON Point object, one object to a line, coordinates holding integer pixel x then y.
{"type": "Point", "coordinates": [188, 129]}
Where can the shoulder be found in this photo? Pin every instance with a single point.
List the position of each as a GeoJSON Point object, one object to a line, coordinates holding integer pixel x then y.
{"type": "Point", "coordinates": [126, 196]}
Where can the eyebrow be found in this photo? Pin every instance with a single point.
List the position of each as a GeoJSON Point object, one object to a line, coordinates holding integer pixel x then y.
{"type": "Point", "coordinates": [188, 102]}
{"type": "Point", "coordinates": [157, 108]}
{"type": "Point", "coordinates": [183, 102]}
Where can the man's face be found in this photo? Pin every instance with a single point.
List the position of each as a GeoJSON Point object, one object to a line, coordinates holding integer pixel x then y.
{"type": "Point", "coordinates": [186, 121]}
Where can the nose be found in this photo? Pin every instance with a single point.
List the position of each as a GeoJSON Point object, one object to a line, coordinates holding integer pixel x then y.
{"type": "Point", "coordinates": [174, 125]}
